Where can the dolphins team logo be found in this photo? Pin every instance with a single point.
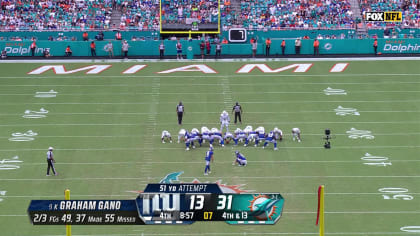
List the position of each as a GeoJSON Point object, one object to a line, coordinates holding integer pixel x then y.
{"type": "Point", "coordinates": [169, 178]}
{"type": "Point", "coordinates": [263, 207]}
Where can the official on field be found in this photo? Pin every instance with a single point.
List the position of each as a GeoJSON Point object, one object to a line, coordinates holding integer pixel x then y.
{"type": "Point", "coordinates": [50, 161]}
{"type": "Point", "coordinates": [238, 111]}
{"type": "Point", "coordinates": [180, 111]}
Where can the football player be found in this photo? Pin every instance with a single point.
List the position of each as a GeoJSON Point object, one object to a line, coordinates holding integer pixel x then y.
{"type": "Point", "coordinates": [252, 136]}
{"type": "Point", "coordinates": [278, 134]}
{"type": "Point", "coordinates": [296, 134]}
{"type": "Point", "coordinates": [260, 135]}
{"type": "Point", "coordinates": [205, 135]}
{"type": "Point", "coordinates": [240, 159]}
{"type": "Point", "coordinates": [166, 136]}
{"type": "Point", "coordinates": [208, 158]}
{"type": "Point", "coordinates": [240, 136]}
{"type": "Point", "coordinates": [181, 135]}
{"type": "Point", "coordinates": [270, 139]}
{"type": "Point", "coordinates": [228, 137]}
{"type": "Point", "coordinates": [216, 134]}
{"type": "Point", "coordinates": [224, 121]}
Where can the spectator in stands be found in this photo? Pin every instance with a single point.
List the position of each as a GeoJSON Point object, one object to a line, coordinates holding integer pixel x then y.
{"type": "Point", "coordinates": [267, 47]}
{"type": "Point", "coordinates": [118, 36]}
{"type": "Point", "coordinates": [85, 36]}
{"type": "Point", "coordinates": [375, 46]}
{"type": "Point", "coordinates": [33, 47]}
{"type": "Point", "coordinates": [124, 49]}
{"type": "Point", "coordinates": [161, 50]}
{"type": "Point", "coordinates": [202, 47]}
{"type": "Point", "coordinates": [109, 48]}
{"type": "Point", "coordinates": [316, 47]}
{"type": "Point", "coordinates": [3, 54]}
{"type": "Point", "coordinates": [46, 53]}
{"type": "Point", "coordinates": [218, 50]}
{"type": "Point", "coordinates": [298, 45]}
{"type": "Point", "coordinates": [254, 48]}
{"type": "Point", "coordinates": [224, 41]}
{"type": "Point", "coordinates": [68, 51]}
{"type": "Point", "coordinates": [100, 36]}
{"type": "Point", "coordinates": [283, 47]}
{"type": "Point", "coordinates": [93, 49]}
{"type": "Point", "coordinates": [50, 38]}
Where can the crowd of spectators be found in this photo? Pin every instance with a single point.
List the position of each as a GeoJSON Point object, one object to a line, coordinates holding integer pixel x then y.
{"type": "Point", "coordinates": [145, 14]}
{"type": "Point", "coordinates": [409, 8]}
{"type": "Point", "coordinates": [55, 14]}
{"type": "Point", "coordinates": [276, 14]}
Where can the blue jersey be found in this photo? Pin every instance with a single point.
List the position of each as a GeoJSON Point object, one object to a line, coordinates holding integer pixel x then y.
{"type": "Point", "coordinates": [270, 137]}
{"type": "Point", "coordinates": [240, 157]}
{"type": "Point", "coordinates": [209, 155]}
{"type": "Point", "coordinates": [261, 135]}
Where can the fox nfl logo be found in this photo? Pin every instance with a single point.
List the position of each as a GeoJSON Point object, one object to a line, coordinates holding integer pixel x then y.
{"type": "Point", "coordinates": [387, 16]}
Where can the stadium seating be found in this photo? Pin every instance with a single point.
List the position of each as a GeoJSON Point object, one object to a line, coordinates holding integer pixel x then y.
{"type": "Point", "coordinates": [276, 14]}
{"type": "Point", "coordinates": [55, 15]}
{"type": "Point", "coordinates": [409, 8]}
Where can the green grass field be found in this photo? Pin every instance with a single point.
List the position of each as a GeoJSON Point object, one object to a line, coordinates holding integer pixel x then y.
{"type": "Point", "coordinates": [106, 133]}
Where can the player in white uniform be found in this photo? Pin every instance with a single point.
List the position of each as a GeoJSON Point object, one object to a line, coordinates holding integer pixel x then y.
{"type": "Point", "coordinates": [278, 134]}
{"type": "Point", "coordinates": [216, 134]}
{"type": "Point", "coordinates": [166, 136]}
{"type": "Point", "coordinates": [240, 136]}
{"type": "Point", "coordinates": [296, 134]}
{"type": "Point", "coordinates": [205, 134]}
{"type": "Point", "coordinates": [260, 135]}
{"type": "Point", "coordinates": [181, 135]}
{"type": "Point", "coordinates": [228, 137]}
{"type": "Point", "coordinates": [224, 121]}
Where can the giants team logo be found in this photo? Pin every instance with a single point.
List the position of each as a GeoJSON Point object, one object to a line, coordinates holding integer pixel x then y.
{"type": "Point", "coordinates": [388, 16]}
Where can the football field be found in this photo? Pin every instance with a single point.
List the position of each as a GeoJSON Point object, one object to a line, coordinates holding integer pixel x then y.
{"type": "Point", "coordinates": [105, 129]}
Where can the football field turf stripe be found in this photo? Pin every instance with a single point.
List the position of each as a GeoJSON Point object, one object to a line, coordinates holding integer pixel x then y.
{"type": "Point", "coordinates": [180, 148]}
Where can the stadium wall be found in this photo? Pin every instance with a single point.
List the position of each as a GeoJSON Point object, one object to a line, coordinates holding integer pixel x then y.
{"type": "Point", "coordinates": [150, 48]}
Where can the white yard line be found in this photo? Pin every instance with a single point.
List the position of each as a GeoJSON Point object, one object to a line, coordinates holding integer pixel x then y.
{"type": "Point", "coordinates": [180, 148]}
{"type": "Point", "coordinates": [225, 89]}
{"type": "Point", "coordinates": [211, 102]}
{"type": "Point", "coordinates": [248, 178]}
{"type": "Point", "coordinates": [214, 124]}
{"type": "Point", "coordinates": [210, 112]}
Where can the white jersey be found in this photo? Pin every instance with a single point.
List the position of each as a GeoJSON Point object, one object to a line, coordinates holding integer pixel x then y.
{"type": "Point", "coordinates": [166, 134]}
{"type": "Point", "coordinates": [181, 135]}
{"type": "Point", "coordinates": [296, 130]}
{"type": "Point", "coordinates": [224, 118]}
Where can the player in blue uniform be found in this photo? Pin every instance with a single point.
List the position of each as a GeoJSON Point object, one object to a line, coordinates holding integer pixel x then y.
{"type": "Point", "coordinates": [240, 159]}
{"type": "Point", "coordinates": [271, 139]}
{"type": "Point", "coordinates": [208, 158]}
{"type": "Point", "coordinates": [188, 140]}
{"type": "Point", "coordinates": [205, 135]}
{"type": "Point", "coordinates": [252, 135]}
{"type": "Point", "coordinates": [260, 137]}
{"type": "Point", "coordinates": [228, 137]}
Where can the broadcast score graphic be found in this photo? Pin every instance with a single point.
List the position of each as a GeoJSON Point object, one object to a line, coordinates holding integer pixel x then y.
{"type": "Point", "coordinates": [163, 204]}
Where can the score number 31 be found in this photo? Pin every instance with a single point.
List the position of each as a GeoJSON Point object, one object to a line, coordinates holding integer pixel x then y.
{"type": "Point", "coordinates": [223, 202]}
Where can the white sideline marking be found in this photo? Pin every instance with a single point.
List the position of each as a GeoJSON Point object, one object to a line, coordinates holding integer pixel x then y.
{"type": "Point", "coordinates": [196, 162]}
{"type": "Point", "coordinates": [215, 60]}
{"type": "Point", "coordinates": [242, 234]}
{"type": "Point", "coordinates": [200, 112]}
{"type": "Point", "coordinates": [330, 92]}
{"type": "Point", "coordinates": [205, 84]}
{"type": "Point", "coordinates": [180, 148]}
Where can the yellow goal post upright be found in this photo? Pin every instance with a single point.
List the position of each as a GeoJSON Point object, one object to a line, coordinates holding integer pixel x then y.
{"type": "Point", "coordinates": [320, 218]}
{"type": "Point", "coordinates": [189, 32]}
{"type": "Point", "coordinates": [67, 197]}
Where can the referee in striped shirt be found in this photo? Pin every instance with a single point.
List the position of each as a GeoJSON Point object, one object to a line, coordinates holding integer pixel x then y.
{"type": "Point", "coordinates": [238, 111]}
{"type": "Point", "coordinates": [180, 112]}
{"type": "Point", "coordinates": [50, 161]}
